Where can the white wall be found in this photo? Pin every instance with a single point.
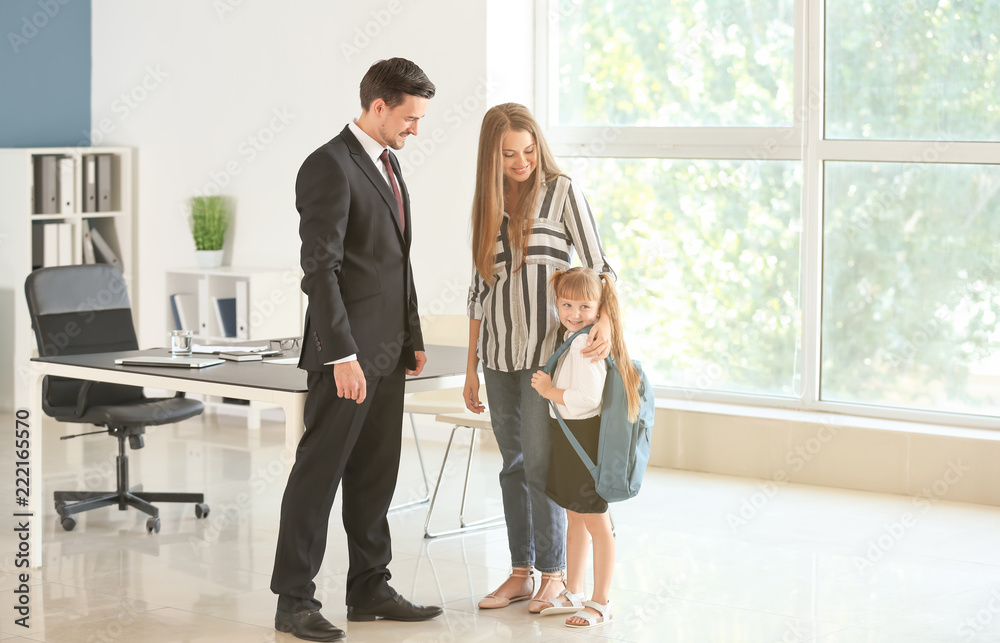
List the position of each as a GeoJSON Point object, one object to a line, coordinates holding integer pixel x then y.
{"type": "Point", "coordinates": [194, 85]}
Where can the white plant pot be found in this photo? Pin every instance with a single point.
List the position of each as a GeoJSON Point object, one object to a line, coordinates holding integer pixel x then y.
{"type": "Point", "coordinates": [208, 258]}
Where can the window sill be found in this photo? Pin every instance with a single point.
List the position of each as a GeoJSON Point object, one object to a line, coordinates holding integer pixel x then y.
{"type": "Point", "coordinates": [824, 417]}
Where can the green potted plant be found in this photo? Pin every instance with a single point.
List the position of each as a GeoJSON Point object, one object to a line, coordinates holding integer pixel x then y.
{"type": "Point", "coordinates": [209, 222]}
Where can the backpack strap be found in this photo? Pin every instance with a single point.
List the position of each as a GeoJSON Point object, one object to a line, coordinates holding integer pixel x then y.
{"type": "Point", "coordinates": [550, 367]}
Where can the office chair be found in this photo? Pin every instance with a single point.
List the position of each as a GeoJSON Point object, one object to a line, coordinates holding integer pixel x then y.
{"type": "Point", "coordinates": [84, 309]}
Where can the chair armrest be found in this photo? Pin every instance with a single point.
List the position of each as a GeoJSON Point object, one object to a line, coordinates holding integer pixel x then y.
{"type": "Point", "coordinates": [81, 399]}
{"type": "Point", "coordinates": [179, 394]}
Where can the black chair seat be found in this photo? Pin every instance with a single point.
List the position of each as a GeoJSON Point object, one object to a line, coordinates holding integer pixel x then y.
{"type": "Point", "coordinates": [149, 412]}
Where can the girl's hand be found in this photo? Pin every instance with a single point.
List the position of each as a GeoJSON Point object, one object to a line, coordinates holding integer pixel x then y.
{"type": "Point", "coordinates": [541, 382]}
{"type": "Point", "coordinates": [598, 340]}
{"type": "Point", "coordinates": [470, 395]}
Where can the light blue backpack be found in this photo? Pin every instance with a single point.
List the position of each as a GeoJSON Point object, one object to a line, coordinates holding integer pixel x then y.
{"type": "Point", "coordinates": [623, 449]}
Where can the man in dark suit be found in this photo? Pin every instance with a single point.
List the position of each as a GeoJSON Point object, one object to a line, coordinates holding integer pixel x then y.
{"type": "Point", "coordinates": [362, 332]}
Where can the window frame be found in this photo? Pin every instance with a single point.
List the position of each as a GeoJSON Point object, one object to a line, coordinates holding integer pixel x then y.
{"type": "Point", "coordinates": [804, 140]}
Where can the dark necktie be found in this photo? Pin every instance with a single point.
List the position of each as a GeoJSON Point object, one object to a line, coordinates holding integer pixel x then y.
{"type": "Point", "coordinates": [384, 157]}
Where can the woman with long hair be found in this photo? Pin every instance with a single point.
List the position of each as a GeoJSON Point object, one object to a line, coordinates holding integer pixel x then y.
{"type": "Point", "coordinates": [527, 220]}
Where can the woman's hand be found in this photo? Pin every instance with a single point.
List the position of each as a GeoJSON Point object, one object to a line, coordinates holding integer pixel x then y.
{"type": "Point", "coordinates": [598, 340]}
{"type": "Point", "coordinates": [541, 382]}
{"type": "Point", "coordinates": [470, 394]}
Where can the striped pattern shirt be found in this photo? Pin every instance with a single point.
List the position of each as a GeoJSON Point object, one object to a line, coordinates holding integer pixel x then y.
{"type": "Point", "coordinates": [519, 322]}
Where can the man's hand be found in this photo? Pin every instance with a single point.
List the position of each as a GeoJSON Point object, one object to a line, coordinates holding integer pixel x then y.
{"type": "Point", "coordinates": [598, 340]}
{"type": "Point", "coordinates": [350, 381]}
{"type": "Point", "coordinates": [421, 357]}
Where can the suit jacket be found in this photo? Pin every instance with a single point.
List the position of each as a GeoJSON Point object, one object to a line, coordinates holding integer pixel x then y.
{"type": "Point", "coordinates": [356, 260]}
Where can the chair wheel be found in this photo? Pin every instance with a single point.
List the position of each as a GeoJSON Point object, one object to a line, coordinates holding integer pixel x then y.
{"type": "Point", "coordinates": [68, 522]}
{"type": "Point", "coordinates": [201, 510]}
{"type": "Point", "coordinates": [153, 524]}
{"type": "Point", "coordinates": [60, 507]}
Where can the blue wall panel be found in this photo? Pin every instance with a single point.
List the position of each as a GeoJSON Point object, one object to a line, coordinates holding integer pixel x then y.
{"type": "Point", "coordinates": [45, 73]}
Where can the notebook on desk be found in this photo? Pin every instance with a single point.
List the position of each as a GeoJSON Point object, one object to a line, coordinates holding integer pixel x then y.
{"type": "Point", "coordinates": [181, 362]}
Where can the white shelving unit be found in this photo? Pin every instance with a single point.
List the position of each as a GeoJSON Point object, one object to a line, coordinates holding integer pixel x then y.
{"type": "Point", "coordinates": [268, 301]}
{"type": "Point", "coordinates": [22, 241]}
{"type": "Point", "coordinates": [269, 305]}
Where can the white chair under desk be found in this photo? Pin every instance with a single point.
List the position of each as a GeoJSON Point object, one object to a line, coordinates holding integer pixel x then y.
{"type": "Point", "coordinates": [476, 423]}
{"type": "Point", "coordinates": [427, 403]}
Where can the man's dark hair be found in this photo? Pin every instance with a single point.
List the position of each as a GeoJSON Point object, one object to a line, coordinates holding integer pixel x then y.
{"type": "Point", "coordinates": [393, 80]}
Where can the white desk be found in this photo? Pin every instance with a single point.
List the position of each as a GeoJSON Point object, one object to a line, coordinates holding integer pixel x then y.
{"type": "Point", "coordinates": [281, 384]}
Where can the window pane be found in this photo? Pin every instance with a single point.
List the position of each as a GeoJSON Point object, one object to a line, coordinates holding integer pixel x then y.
{"type": "Point", "coordinates": [680, 63]}
{"type": "Point", "coordinates": [707, 256]}
{"type": "Point", "coordinates": [911, 286]}
{"type": "Point", "coordinates": [916, 70]}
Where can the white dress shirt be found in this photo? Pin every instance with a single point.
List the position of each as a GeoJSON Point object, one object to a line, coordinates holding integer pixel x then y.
{"type": "Point", "coordinates": [374, 149]}
{"type": "Point", "coordinates": [582, 380]}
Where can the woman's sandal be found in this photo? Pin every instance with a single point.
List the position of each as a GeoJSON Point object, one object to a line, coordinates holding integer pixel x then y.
{"type": "Point", "coordinates": [538, 604]}
{"type": "Point", "coordinates": [566, 603]}
{"type": "Point", "coordinates": [603, 611]}
{"type": "Point", "coordinates": [493, 601]}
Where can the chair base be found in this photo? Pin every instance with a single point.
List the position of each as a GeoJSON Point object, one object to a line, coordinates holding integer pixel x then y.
{"type": "Point", "coordinates": [68, 503]}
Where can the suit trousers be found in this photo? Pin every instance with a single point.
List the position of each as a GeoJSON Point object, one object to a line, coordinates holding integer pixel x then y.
{"type": "Point", "coordinates": [356, 445]}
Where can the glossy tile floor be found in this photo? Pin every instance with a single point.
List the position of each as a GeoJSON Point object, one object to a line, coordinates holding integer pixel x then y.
{"type": "Point", "coordinates": [701, 558]}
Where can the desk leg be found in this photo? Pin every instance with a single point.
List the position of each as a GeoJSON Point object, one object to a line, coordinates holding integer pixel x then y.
{"type": "Point", "coordinates": [293, 405]}
{"type": "Point", "coordinates": [37, 491]}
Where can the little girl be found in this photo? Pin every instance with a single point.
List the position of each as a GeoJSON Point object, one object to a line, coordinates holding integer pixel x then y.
{"type": "Point", "coordinates": [576, 390]}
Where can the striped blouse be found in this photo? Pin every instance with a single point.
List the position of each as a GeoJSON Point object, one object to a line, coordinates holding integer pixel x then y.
{"type": "Point", "coordinates": [519, 320]}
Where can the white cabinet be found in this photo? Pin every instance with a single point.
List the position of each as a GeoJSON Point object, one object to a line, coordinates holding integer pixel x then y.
{"type": "Point", "coordinates": [50, 199]}
{"type": "Point", "coordinates": [234, 303]}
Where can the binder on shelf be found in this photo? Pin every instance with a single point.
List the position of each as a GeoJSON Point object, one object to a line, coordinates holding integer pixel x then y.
{"type": "Point", "coordinates": [50, 252]}
{"type": "Point", "coordinates": [242, 319]}
{"type": "Point", "coordinates": [88, 243]}
{"type": "Point", "coordinates": [225, 311]}
{"type": "Point", "coordinates": [65, 243]}
{"type": "Point", "coordinates": [103, 182]}
{"type": "Point", "coordinates": [183, 305]}
{"type": "Point", "coordinates": [89, 183]}
{"type": "Point", "coordinates": [105, 252]}
{"type": "Point", "coordinates": [37, 245]}
{"type": "Point", "coordinates": [67, 187]}
{"type": "Point", "coordinates": [46, 188]}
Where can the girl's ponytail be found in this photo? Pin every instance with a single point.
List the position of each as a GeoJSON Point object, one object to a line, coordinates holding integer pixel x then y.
{"type": "Point", "coordinates": [629, 373]}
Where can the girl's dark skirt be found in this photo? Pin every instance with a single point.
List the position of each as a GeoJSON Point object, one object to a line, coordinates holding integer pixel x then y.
{"type": "Point", "coordinates": [569, 482]}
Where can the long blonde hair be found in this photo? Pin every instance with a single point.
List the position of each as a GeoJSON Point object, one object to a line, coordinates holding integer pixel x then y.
{"type": "Point", "coordinates": [584, 284]}
{"type": "Point", "coordinates": [488, 202]}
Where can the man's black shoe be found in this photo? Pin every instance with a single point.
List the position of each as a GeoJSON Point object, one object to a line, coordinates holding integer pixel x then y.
{"type": "Point", "coordinates": [308, 625]}
{"type": "Point", "coordinates": [396, 608]}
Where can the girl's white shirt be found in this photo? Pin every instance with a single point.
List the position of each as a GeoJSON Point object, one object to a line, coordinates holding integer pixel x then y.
{"type": "Point", "coordinates": [582, 380]}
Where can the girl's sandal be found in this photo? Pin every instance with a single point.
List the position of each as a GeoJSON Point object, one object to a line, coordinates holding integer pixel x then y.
{"type": "Point", "coordinates": [494, 601]}
{"type": "Point", "coordinates": [566, 603]}
{"type": "Point", "coordinates": [537, 604]}
{"type": "Point", "coordinates": [603, 611]}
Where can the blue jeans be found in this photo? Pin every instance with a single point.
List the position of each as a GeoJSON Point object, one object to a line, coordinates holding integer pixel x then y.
{"type": "Point", "coordinates": [536, 526]}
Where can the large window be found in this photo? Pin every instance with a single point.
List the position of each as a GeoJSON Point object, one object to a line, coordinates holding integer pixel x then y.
{"type": "Point", "coordinates": [800, 198]}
